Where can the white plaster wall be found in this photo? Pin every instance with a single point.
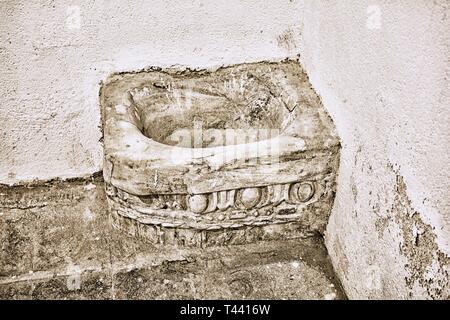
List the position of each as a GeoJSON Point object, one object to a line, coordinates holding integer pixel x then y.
{"type": "Point", "coordinates": [387, 90]}
{"type": "Point", "coordinates": [49, 113]}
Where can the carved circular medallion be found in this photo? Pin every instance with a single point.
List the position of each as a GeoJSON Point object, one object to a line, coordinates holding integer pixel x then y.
{"type": "Point", "coordinates": [198, 202]}
{"type": "Point", "coordinates": [250, 197]}
{"type": "Point", "coordinates": [302, 191]}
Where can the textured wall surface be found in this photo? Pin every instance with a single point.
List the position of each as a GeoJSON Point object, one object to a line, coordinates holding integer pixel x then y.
{"type": "Point", "coordinates": [382, 72]}
{"type": "Point", "coordinates": [54, 53]}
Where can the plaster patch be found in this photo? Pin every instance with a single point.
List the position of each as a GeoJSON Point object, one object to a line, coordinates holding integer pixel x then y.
{"type": "Point", "coordinates": [427, 265]}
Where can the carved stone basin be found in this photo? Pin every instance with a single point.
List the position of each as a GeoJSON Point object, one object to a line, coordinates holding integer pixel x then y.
{"type": "Point", "coordinates": [233, 155]}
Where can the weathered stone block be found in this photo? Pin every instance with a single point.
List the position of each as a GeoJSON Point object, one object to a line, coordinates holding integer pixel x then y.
{"type": "Point", "coordinates": [193, 154]}
{"type": "Point", "coordinates": [57, 243]}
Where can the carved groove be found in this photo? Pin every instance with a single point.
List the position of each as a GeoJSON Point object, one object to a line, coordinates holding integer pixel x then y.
{"type": "Point", "coordinates": [223, 209]}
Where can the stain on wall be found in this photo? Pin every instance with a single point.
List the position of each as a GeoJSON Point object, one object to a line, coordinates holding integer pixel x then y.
{"type": "Point", "coordinates": [381, 70]}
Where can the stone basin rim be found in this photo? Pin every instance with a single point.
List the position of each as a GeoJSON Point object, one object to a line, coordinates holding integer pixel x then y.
{"type": "Point", "coordinates": [135, 104]}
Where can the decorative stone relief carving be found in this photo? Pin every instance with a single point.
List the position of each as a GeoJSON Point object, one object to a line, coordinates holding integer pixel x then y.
{"type": "Point", "coordinates": [236, 148]}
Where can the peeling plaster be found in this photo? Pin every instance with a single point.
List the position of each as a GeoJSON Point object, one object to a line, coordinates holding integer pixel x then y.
{"type": "Point", "coordinates": [427, 265]}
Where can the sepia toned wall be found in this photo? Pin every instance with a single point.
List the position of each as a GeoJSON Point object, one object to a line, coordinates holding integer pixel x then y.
{"type": "Point", "coordinates": [382, 70]}
{"type": "Point", "coordinates": [380, 67]}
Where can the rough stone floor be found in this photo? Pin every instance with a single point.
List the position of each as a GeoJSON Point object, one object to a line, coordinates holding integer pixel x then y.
{"type": "Point", "coordinates": [57, 243]}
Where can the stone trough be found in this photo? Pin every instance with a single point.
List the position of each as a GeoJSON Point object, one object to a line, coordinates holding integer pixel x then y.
{"type": "Point", "coordinates": [215, 157]}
